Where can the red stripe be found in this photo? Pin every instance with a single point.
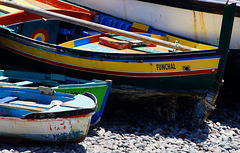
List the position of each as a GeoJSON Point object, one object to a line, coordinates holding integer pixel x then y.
{"type": "Point", "coordinates": [114, 44]}
{"type": "Point", "coordinates": [94, 38]}
{"type": "Point", "coordinates": [127, 74]}
{"type": "Point", "coordinates": [133, 29]}
{"type": "Point", "coordinates": [42, 31]}
{"type": "Point", "coordinates": [36, 120]}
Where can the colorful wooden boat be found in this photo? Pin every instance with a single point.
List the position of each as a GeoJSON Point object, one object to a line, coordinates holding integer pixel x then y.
{"type": "Point", "coordinates": [129, 63]}
{"type": "Point", "coordinates": [40, 114]}
{"type": "Point", "coordinates": [202, 29]}
{"type": "Point", "coordinates": [195, 19]}
{"type": "Point", "coordinates": [60, 83]}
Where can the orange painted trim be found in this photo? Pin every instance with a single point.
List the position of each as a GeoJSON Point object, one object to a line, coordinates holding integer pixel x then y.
{"type": "Point", "coordinates": [23, 16]}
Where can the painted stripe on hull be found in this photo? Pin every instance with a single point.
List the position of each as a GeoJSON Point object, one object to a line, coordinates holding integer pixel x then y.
{"type": "Point", "coordinates": [148, 69]}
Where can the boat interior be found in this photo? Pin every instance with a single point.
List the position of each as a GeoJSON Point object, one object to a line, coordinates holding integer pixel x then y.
{"type": "Point", "coordinates": [34, 79]}
{"type": "Point", "coordinates": [82, 38]}
{"type": "Point", "coordinates": [16, 102]}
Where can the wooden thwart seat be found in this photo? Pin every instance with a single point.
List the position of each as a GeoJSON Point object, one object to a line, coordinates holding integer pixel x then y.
{"type": "Point", "coordinates": [118, 44]}
{"type": "Point", "coordinates": [121, 44]}
{"type": "Point", "coordinates": [136, 45]}
{"type": "Point", "coordinates": [8, 99]}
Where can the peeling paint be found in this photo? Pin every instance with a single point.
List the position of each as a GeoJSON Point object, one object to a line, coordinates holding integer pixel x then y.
{"type": "Point", "coordinates": [58, 129]}
{"type": "Point", "coordinates": [199, 26]}
{"type": "Point", "coordinates": [203, 27]}
{"type": "Point", "coordinates": [195, 25]}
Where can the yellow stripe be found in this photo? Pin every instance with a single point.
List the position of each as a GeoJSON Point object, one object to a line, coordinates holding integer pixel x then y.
{"type": "Point", "coordinates": [114, 66]}
{"type": "Point", "coordinates": [140, 26]}
{"type": "Point", "coordinates": [7, 9]}
{"type": "Point", "coordinates": [69, 44]}
{"type": "Point", "coordinates": [189, 43]}
{"type": "Point", "coordinates": [26, 3]}
{"type": "Point", "coordinates": [159, 37]}
{"type": "Point", "coordinates": [174, 39]}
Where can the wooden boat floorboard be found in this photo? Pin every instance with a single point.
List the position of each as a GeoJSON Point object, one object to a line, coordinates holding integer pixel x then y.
{"type": "Point", "coordinates": [29, 103]}
{"type": "Point", "coordinates": [24, 107]}
{"type": "Point", "coordinates": [98, 47]}
{"type": "Point", "coordinates": [123, 50]}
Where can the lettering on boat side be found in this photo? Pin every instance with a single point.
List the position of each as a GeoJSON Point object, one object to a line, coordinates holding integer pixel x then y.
{"type": "Point", "coordinates": [60, 126]}
{"type": "Point", "coordinates": [169, 66]}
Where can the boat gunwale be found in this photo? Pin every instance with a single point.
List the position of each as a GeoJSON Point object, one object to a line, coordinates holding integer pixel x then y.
{"type": "Point", "coordinates": [76, 50]}
{"type": "Point", "coordinates": [62, 114]}
{"type": "Point", "coordinates": [54, 48]}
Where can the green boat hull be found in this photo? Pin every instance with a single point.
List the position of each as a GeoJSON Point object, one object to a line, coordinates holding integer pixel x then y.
{"type": "Point", "coordinates": [60, 83]}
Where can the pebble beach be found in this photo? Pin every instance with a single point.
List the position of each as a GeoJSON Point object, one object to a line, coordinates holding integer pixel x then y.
{"type": "Point", "coordinates": [131, 127]}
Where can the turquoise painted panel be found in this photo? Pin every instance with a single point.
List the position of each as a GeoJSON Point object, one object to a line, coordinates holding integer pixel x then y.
{"type": "Point", "coordinates": [58, 77]}
{"type": "Point", "coordinates": [121, 37]}
{"type": "Point", "coordinates": [83, 101]}
{"type": "Point", "coordinates": [24, 75]}
{"type": "Point", "coordinates": [97, 48]}
{"type": "Point", "coordinates": [148, 50]}
{"type": "Point", "coordinates": [2, 13]}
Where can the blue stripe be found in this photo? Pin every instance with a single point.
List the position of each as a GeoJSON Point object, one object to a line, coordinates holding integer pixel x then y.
{"type": "Point", "coordinates": [81, 42]}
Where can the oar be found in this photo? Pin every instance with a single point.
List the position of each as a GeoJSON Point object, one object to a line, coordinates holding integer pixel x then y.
{"type": "Point", "coordinates": [94, 26]}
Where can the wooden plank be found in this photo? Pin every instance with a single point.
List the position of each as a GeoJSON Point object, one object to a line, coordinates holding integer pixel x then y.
{"type": "Point", "coordinates": [23, 83]}
{"type": "Point", "coordinates": [97, 48]}
{"type": "Point", "coordinates": [3, 78]}
{"type": "Point", "coordinates": [118, 44]}
{"type": "Point", "coordinates": [151, 49]}
{"type": "Point", "coordinates": [123, 50]}
{"type": "Point", "coordinates": [29, 108]}
{"type": "Point", "coordinates": [8, 99]}
{"type": "Point", "coordinates": [30, 104]}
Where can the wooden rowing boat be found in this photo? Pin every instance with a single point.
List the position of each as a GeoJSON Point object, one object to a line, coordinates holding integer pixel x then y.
{"type": "Point", "coordinates": [196, 19]}
{"type": "Point", "coordinates": [44, 115]}
{"type": "Point", "coordinates": [205, 15]}
{"type": "Point", "coordinates": [175, 70]}
{"type": "Point", "coordinates": [60, 83]}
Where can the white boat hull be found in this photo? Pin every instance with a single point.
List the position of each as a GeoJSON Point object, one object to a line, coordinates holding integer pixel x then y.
{"type": "Point", "coordinates": [201, 26]}
{"type": "Point", "coordinates": [72, 129]}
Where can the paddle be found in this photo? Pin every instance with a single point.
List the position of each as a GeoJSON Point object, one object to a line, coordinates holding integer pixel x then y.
{"type": "Point", "coordinates": [94, 26]}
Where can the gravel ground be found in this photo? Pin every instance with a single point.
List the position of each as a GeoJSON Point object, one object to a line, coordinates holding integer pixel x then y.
{"type": "Point", "coordinates": [129, 127]}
